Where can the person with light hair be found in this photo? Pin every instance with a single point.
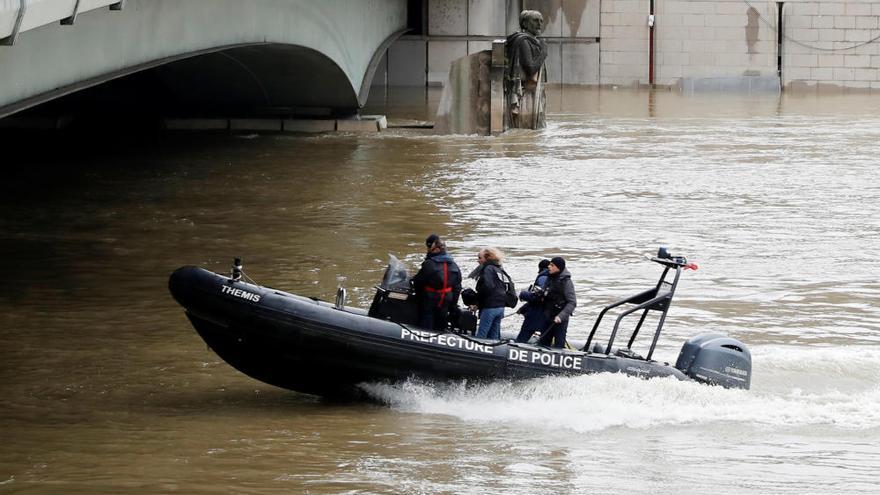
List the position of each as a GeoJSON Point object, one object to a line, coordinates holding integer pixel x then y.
{"type": "Point", "coordinates": [491, 292]}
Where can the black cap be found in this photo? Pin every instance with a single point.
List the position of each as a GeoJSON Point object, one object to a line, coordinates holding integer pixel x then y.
{"type": "Point", "coordinates": [559, 262]}
{"type": "Point", "coordinates": [542, 265]}
{"type": "Point", "coordinates": [431, 240]}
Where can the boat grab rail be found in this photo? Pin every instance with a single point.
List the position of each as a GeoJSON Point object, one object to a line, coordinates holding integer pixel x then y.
{"type": "Point", "coordinates": [657, 298]}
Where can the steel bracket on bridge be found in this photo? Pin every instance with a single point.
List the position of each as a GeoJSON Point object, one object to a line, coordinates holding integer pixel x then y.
{"type": "Point", "coordinates": [70, 20]}
{"type": "Point", "coordinates": [10, 40]}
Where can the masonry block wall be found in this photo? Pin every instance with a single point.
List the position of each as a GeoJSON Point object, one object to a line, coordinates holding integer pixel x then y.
{"type": "Point", "coordinates": [831, 44]}
{"type": "Point", "coordinates": [571, 31]}
{"type": "Point", "coordinates": [455, 28]}
{"type": "Point", "coordinates": [693, 39]}
{"type": "Point", "coordinates": [825, 44]}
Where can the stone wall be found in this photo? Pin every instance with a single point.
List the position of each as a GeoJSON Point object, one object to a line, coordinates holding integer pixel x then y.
{"type": "Point", "coordinates": [693, 39]}
{"type": "Point", "coordinates": [831, 44]}
{"type": "Point", "coordinates": [825, 44]}
{"type": "Point", "coordinates": [456, 28]}
{"type": "Point", "coordinates": [572, 34]}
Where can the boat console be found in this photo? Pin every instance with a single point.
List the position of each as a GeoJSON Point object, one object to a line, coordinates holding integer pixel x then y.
{"type": "Point", "coordinates": [395, 299]}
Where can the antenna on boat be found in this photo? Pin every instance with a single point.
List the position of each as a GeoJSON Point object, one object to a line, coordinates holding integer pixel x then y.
{"type": "Point", "coordinates": [340, 293]}
{"type": "Point", "coordinates": [340, 297]}
{"type": "Point", "coordinates": [236, 269]}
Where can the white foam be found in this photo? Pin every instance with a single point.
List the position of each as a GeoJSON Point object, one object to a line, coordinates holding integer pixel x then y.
{"type": "Point", "coordinates": [597, 402]}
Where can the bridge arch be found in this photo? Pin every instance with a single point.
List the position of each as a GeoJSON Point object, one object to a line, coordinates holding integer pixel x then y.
{"type": "Point", "coordinates": [265, 56]}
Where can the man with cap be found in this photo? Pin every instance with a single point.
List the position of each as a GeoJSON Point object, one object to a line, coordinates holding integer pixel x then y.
{"type": "Point", "coordinates": [437, 285]}
{"type": "Point", "coordinates": [559, 303]}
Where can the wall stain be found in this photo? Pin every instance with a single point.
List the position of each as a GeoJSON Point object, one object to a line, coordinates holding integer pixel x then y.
{"type": "Point", "coordinates": [571, 10]}
{"type": "Point", "coordinates": [574, 12]}
{"type": "Point", "coordinates": [752, 29]}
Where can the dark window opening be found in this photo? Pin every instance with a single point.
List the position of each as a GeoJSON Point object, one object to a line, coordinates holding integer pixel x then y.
{"type": "Point", "coordinates": [415, 17]}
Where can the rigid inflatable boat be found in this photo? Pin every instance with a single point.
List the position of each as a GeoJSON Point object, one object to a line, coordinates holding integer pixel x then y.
{"type": "Point", "coordinates": [324, 348]}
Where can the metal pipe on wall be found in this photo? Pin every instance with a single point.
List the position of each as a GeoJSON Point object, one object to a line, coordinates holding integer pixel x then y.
{"type": "Point", "coordinates": [651, 45]}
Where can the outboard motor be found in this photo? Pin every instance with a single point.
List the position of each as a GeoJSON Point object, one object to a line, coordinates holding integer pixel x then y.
{"type": "Point", "coordinates": [716, 360]}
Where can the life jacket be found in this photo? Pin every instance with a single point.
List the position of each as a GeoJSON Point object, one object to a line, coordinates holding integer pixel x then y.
{"type": "Point", "coordinates": [446, 288]}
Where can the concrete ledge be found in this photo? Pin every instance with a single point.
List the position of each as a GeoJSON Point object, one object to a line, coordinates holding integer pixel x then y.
{"type": "Point", "coordinates": [196, 124]}
{"type": "Point", "coordinates": [36, 123]}
{"type": "Point", "coordinates": [366, 123]}
{"type": "Point", "coordinates": [323, 125]}
{"type": "Point", "coordinates": [745, 84]}
{"type": "Point", "coordinates": [255, 124]}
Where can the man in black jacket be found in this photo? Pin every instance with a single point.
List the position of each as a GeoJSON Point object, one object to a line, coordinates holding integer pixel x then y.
{"type": "Point", "coordinates": [437, 285]}
{"type": "Point", "coordinates": [559, 303]}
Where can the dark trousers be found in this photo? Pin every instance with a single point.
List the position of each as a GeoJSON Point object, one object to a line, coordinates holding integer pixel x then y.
{"type": "Point", "coordinates": [434, 318]}
{"type": "Point", "coordinates": [556, 335]}
{"type": "Point", "coordinates": [534, 321]}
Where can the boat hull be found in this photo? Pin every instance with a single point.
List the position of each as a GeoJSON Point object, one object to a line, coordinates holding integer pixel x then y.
{"type": "Point", "coordinates": [313, 347]}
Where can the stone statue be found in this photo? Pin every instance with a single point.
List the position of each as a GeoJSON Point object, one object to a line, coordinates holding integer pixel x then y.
{"type": "Point", "coordinates": [524, 74]}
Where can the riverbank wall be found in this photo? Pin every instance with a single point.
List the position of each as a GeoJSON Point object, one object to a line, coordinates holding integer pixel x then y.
{"type": "Point", "coordinates": [739, 45]}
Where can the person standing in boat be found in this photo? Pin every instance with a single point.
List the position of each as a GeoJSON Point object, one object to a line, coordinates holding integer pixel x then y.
{"type": "Point", "coordinates": [559, 303]}
{"type": "Point", "coordinates": [437, 285]}
{"type": "Point", "coordinates": [533, 309]}
{"type": "Point", "coordinates": [491, 293]}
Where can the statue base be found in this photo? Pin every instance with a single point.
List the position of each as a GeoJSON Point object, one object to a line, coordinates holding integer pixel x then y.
{"type": "Point", "coordinates": [476, 100]}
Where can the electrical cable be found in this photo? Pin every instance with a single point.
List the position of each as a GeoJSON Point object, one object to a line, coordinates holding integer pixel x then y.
{"type": "Point", "coordinates": [807, 45]}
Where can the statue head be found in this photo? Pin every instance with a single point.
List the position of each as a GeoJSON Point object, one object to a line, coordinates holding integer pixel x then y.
{"type": "Point", "coordinates": [531, 21]}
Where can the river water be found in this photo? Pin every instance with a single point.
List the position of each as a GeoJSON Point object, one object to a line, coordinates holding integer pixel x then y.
{"type": "Point", "coordinates": [107, 389]}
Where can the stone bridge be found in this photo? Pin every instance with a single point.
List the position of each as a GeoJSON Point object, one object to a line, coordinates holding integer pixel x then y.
{"type": "Point", "coordinates": [256, 57]}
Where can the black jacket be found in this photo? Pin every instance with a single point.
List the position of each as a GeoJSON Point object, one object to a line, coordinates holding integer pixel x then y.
{"type": "Point", "coordinates": [491, 289]}
{"type": "Point", "coordinates": [428, 283]}
{"type": "Point", "coordinates": [560, 299]}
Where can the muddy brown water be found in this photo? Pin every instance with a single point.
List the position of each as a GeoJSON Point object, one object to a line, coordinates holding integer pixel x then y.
{"type": "Point", "coordinates": [107, 389]}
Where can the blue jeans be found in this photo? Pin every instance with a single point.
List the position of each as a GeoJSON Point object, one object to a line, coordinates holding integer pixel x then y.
{"type": "Point", "coordinates": [490, 323]}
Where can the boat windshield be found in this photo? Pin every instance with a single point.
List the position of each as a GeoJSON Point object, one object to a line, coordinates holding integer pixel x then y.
{"type": "Point", "coordinates": [396, 276]}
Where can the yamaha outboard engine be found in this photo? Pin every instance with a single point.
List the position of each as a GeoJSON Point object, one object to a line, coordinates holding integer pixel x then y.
{"type": "Point", "coordinates": [716, 360]}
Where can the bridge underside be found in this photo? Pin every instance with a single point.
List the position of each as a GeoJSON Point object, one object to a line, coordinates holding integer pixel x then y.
{"type": "Point", "coordinates": [266, 79]}
{"type": "Point", "coordinates": [253, 80]}
{"type": "Point", "coordinates": [204, 58]}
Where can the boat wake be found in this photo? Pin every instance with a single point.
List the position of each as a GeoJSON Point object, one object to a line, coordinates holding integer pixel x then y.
{"type": "Point", "coordinates": [792, 387]}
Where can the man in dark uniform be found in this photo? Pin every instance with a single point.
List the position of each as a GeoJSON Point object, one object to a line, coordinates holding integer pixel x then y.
{"type": "Point", "coordinates": [559, 303]}
{"type": "Point", "coordinates": [437, 285]}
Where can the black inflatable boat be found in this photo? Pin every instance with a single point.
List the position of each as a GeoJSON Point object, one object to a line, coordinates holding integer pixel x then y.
{"type": "Point", "coordinates": [322, 348]}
